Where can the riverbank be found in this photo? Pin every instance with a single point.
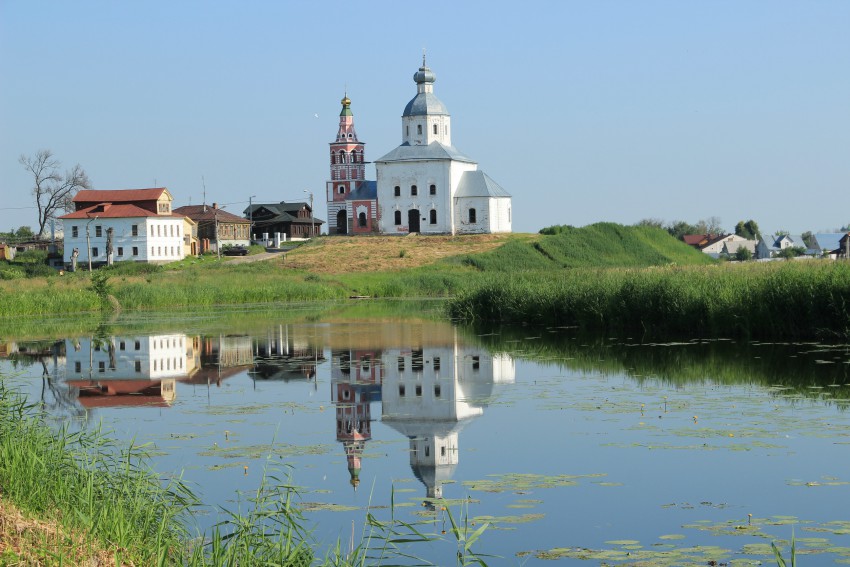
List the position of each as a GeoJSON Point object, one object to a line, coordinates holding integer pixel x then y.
{"type": "Point", "coordinates": [778, 300]}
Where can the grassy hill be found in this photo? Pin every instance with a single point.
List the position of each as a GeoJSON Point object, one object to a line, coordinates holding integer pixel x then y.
{"type": "Point", "coordinates": [593, 246]}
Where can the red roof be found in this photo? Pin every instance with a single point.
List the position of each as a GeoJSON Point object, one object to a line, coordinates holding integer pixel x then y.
{"type": "Point", "coordinates": [206, 212]}
{"type": "Point", "coordinates": [110, 211]}
{"type": "Point", "coordinates": [119, 195]}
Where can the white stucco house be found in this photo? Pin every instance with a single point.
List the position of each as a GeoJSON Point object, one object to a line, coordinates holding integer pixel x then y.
{"type": "Point", "coordinates": [426, 185]}
{"type": "Point", "coordinates": [142, 225]}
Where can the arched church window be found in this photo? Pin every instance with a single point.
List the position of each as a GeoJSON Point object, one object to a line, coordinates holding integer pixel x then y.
{"type": "Point", "coordinates": [397, 191]}
{"type": "Point", "coordinates": [435, 128]}
{"type": "Point", "coordinates": [472, 216]}
{"type": "Point", "coordinates": [419, 129]}
{"type": "Point", "coordinates": [341, 189]}
{"type": "Point", "coordinates": [398, 218]}
{"type": "Point", "coordinates": [413, 191]}
{"type": "Point", "coordinates": [333, 158]}
{"type": "Point", "coordinates": [432, 189]}
{"type": "Point", "coordinates": [361, 220]}
{"type": "Point", "coordinates": [341, 156]}
{"type": "Point", "coordinates": [433, 216]}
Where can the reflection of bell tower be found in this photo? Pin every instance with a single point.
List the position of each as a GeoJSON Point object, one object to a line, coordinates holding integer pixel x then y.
{"type": "Point", "coordinates": [353, 387]}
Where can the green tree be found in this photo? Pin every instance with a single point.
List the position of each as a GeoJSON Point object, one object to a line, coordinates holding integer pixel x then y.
{"type": "Point", "coordinates": [809, 239]}
{"type": "Point", "coordinates": [748, 229]}
{"type": "Point", "coordinates": [791, 252]}
{"type": "Point", "coordinates": [743, 254]}
{"type": "Point", "coordinates": [680, 228]}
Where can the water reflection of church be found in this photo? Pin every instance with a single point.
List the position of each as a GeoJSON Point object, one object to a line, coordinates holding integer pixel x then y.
{"type": "Point", "coordinates": [428, 392]}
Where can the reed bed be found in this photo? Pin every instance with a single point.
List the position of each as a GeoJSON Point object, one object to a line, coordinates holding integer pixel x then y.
{"type": "Point", "coordinates": [779, 300]}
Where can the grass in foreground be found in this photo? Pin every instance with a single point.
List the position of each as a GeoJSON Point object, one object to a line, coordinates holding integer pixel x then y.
{"type": "Point", "coordinates": [80, 498]}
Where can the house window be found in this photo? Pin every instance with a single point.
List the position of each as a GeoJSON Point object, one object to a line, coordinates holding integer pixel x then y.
{"type": "Point", "coordinates": [396, 192]}
{"type": "Point", "coordinates": [435, 128]}
{"type": "Point", "coordinates": [472, 216]}
{"type": "Point", "coordinates": [401, 390]}
{"type": "Point", "coordinates": [432, 189]}
{"type": "Point", "coordinates": [413, 191]}
{"type": "Point", "coordinates": [78, 367]}
{"type": "Point", "coordinates": [398, 218]}
{"type": "Point", "coordinates": [94, 252]}
{"type": "Point", "coordinates": [433, 216]}
{"type": "Point", "coordinates": [476, 363]}
{"type": "Point", "coordinates": [134, 230]}
{"type": "Point", "coordinates": [122, 345]}
{"type": "Point", "coordinates": [75, 231]}
{"type": "Point", "coordinates": [436, 363]}
{"type": "Point", "coordinates": [419, 390]}
{"type": "Point", "coordinates": [436, 390]}
{"type": "Point", "coordinates": [137, 345]}
{"type": "Point", "coordinates": [101, 366]}
{"type": "Point", "coordinates": [120, 251]}
{"type": "Point", "coordinates": [138, 365]}
{"type": "Point", "coordinates": [401, 364]}
{"type": "Point", "coordinates": [361, 220]}
{"type": "Point", "coordinates": [98, 231]}
{"type": "Point", "coordinates": [341, 189]}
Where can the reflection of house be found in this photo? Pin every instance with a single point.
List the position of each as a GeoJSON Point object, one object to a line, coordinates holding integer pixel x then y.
{"type": "Point", "coordinates": [138, 223]}
{"type": "Point", "coordinates": [285, 355]}
{"type": "Point", "coordinates": [128, 370]}
{"type": "Point", "coordinates": [430, 394]}
{"type": "Point", "coordinates": [217, 226]}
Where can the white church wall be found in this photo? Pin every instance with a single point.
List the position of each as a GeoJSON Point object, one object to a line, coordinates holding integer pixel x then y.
{"type": "Point", "coordinates": [422, 174]}
{"type": "Point", "coordinates": [482, 215]}
{"type": "Point", "coordinates": [500, 215]}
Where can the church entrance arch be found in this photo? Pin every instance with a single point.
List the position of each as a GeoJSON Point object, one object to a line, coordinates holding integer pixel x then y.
{"type": "Point", "coordinates": [413, 220]}
{"type": "Point", "coordinates": [341, 223]}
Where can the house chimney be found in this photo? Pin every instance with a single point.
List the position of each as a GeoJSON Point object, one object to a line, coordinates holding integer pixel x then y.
{"type": "Point", "coordinates": [215, 205]}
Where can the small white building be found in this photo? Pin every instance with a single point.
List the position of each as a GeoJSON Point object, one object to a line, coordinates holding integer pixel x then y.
{"type": "Point", "coordinates": [426, 185]}
{"type": "Point", "coordinates": [138, 225]}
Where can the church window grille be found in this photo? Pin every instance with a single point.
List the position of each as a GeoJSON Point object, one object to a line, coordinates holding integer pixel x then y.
{"type": "Point", "coordinates": [435, 128]}
{"type": "Point", "coordinates": [443, 451]}
{"type": "Point", "coordinates": [401, 364]}
{"type": "Point", "coordinates": [433, 216]}
{"type": "Point", "coordinates": [135, 230]}
{"type": "Point", "coordinates": [98, 230]}
{"type": "Point", "coordinates": [509, 214]}
{"type": "Point", "coordinates": [341, 156]}
{"type": "Point", "coordinates": [397, 191]}
{"type": "Point", "coordinates": [341, 189]}
{"type": "Point", "coordinates": [436, 363]}
{"type": "Point", "coordinates": [398, 218]}
{"type": "Point", "coordinates": [413, 191]}
{"type": "Point", "coordinates": [472, 216]}
{"type": "Point", "coordinates": [432, 189]}
{"type": "Point", "coordinates": [361, 220]}
{"type": "Point", "coordinates": [407, 130]}
{"type": "Point", "coordinates": [419, 129]}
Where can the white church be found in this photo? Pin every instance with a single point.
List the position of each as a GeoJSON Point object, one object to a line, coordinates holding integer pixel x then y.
{"type": "Point", "coordinates": [425, 185]}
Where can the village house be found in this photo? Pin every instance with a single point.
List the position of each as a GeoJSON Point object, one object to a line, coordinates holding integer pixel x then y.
{"type": "Point", "coordinates": [771, 245]}
{"type": "Point", "coordinates": [217, 227]}
{"type": "Point", "coordinates": [295, 220]}
{"type": "Point", "coordinates": [135, 225]}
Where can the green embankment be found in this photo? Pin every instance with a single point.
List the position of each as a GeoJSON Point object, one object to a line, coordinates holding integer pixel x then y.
{"type": "Point", "coordinates": [598, 245]}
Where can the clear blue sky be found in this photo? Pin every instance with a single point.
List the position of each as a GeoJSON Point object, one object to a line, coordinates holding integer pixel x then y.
{"type": "Point", "coordinates": [583, 111]}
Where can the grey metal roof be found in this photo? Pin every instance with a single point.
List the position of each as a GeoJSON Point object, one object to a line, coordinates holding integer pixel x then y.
{"type": "Point", "coordinates": [828, 240]}
{"type": "Point", "coordinates": [433, 151]}
{"type": "Point", "coordinates": [479, 184]}
{"type": "Point", "coordinates": [366, 191]}
{"type": "Point", "coordinates": [425, 103]}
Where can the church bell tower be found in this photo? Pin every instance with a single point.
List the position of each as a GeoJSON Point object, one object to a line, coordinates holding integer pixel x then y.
{"type": "Point", "coordinates": [348, 170]}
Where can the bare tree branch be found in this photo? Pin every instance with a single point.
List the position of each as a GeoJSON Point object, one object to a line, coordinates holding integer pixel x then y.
{"type": "Point", "coordinates": [53, 192]}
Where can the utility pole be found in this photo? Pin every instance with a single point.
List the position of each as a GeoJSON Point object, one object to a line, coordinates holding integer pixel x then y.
{"type": "Point", "coordinates": [312, 216]}
{"type": "Point", "coordinates": [217, 241]}
{"type": "Point", "coordinates": [251, 219]}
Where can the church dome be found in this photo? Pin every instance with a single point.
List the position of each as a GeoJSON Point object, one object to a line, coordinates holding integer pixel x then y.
{"type": "Point", "coordinates": [425, 102]}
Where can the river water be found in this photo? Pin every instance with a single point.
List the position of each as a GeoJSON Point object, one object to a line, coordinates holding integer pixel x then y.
{"type": "Point", "coordinates": [586, 450]}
